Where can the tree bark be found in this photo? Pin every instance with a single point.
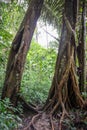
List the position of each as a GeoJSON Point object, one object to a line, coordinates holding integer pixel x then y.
{"type": "Point", "coordinates": [81, 50]}
{"type": "Point", "coordinates": [19, 49]}
{"type": "Point", "coordinates": [64, 92]}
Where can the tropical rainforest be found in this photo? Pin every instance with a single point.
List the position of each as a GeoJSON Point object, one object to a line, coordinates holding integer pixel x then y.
{"type": "Point", "coordinates": [43, 87]}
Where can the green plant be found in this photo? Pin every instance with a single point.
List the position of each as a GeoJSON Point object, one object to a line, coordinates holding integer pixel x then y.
{"type": "Point", "coordinates": [8, 120]}
{"type": "Point", "coordinates": [38, 73]}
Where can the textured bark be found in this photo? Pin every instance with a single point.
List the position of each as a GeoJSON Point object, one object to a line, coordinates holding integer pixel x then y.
{"type": "Point", "coordinates": [81, 50]}
{"type": "Point", "coordinates": [19, 49]}
{"type": "Point", "coordinates": [64, 92]}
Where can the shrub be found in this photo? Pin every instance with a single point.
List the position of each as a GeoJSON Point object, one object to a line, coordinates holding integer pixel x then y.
{"type": "Point", "coordinates": [8, 120]}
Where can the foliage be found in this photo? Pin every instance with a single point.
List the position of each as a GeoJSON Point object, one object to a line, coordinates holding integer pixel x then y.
{"type": "Point", "coordinates": [11, 16]}
{"type": "Point", "coordinates": [38, 73]}
{"type": "Point", "coordinates": [52, 12]}
{"type": "Point", "coordinates": [8, 120]}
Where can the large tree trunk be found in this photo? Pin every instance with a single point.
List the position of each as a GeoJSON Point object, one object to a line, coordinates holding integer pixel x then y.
{"type": "Point", "coordinates": [19, 49]}
{"type": "Point", "coordinates": [64, 92]}
{"type": "Point", "coordinates": [81, 50]}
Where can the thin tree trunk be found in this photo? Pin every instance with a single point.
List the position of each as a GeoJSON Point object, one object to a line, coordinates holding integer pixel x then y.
{"type": "Point", "coordinates": [19, 49]}
{"type": "Point", "coordinates": [81, 51]}
{"type": "Point", "coordinates": [64, 92]}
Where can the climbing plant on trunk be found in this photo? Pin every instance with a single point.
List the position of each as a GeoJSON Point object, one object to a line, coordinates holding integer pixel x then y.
{"type": "Point", "coordinates": [64, 92]}
{"type": "Point", "coordinates": [18, 52]}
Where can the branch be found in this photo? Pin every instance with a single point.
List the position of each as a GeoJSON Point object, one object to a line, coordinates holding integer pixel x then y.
{"type": "Point", "coordinates": [52, 35]}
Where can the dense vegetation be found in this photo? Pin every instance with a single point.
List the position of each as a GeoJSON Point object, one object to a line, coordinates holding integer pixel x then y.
{"type": "Point", "coordinates": [39, 70]}
{"type": "Point", "coordinates": [38, 73]}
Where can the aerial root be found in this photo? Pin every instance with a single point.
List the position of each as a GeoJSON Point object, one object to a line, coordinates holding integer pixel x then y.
{"type": "Point", "coordinates": [76, 88]}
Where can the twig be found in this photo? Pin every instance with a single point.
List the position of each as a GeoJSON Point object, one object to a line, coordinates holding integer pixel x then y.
{"type": "Point", "coordinates": [52, 35]}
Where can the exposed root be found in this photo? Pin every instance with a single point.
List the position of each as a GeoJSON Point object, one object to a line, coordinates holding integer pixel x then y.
{"type": "Point", "coordinates": [31, 124]}
{"type": "Point", "coordinates": [61, 120]}
{"type": "Point", "coordinates": [52, 125]}
{"type": "Point", "coordinates": [48, 105]}
{"type": "Point", "coordinates": [60, 98]}
{"type": "Point", "coordinates": [54, 108]}
{"type": "Point", "coordinates": [34, 119]}
{"type": "Point", "coordinates": [27, 106]}
{"type": "Point", "coordinates": [62, 117]}
{"type": "Point", "coordinates": [48, 122]}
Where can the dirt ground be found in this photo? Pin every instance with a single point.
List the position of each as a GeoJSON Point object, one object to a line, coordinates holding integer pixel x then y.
{"type": "Point", "coordinates": [77, 120]}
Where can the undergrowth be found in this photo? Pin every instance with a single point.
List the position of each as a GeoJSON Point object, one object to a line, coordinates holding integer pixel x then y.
{"type": "Point", "coordinates": [38, 73]}
{"type": "Point", "coordinates": [8, 119]}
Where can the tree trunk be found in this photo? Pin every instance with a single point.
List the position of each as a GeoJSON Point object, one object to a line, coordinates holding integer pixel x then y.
{"type": "Point", "coordinates": [19, 49]}
{"type": "Point", "coordinates": [81, 50]}
{"type": "Point", "coordinates": [64, 92]}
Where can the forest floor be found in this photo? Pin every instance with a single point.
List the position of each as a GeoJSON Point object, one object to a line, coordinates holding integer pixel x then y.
{"type": "Point", "coordinates": [77, 120]}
